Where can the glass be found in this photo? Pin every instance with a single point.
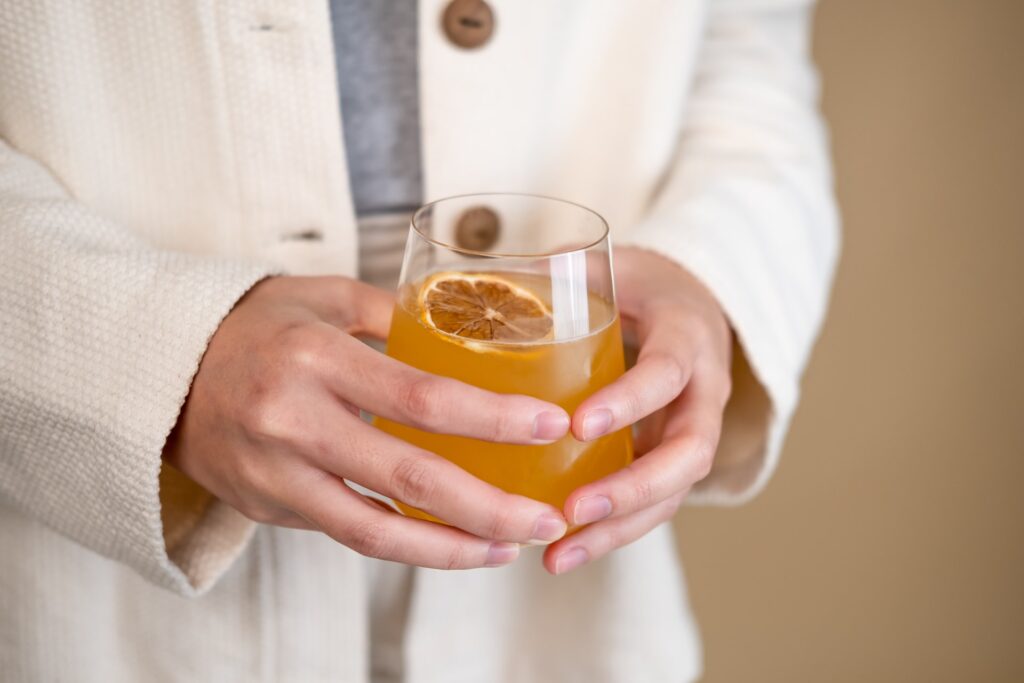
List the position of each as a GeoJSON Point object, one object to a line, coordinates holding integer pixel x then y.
{"type": "Point", "coordinates": [533, 313]}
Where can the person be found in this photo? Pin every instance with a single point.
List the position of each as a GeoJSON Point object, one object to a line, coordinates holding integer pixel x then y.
{"type": "Point", "coordinates": [185, 213]}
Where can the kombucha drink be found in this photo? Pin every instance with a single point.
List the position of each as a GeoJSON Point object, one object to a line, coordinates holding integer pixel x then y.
{"type": "Point", "coordinates": [494, 330]}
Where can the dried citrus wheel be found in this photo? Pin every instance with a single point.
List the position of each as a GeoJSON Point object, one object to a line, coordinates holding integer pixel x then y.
{"type": "Point", "coordinates": [485, 307]}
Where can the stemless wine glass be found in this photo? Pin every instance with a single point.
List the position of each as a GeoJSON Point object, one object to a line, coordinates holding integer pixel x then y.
{"type": "Point", "coordinates": [512, 293]}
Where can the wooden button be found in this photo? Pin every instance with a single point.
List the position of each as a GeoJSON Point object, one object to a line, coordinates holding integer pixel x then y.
{"type": "Point", "coordinates": [468, 23]}
{"type": "Point", "coordinates": [477, 229]}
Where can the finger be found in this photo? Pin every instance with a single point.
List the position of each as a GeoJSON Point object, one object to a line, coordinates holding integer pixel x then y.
{"type": "Point", "coordinates": [661, 372]}
{"type": "Point", "coordinates": [599, 539]}
{"type": "Point", "coordinates": [350, 305]}
{"type": "Point", "coordinates": [353, 521]}
{"type": "Point", "coordinates": [373, 309]}
{"type": "Point", "coordinates": [649, 431]}
{"type": "Point", "coordinates": [275, 516]}
{"type": "Point", "coordinates": [428, 482]}
{"type": "Point", "coordinates": [684, 458]}
{"type": "Point", "coordinates": [398, 392]}
{"type": "Point", "coordinates": [293, 521]}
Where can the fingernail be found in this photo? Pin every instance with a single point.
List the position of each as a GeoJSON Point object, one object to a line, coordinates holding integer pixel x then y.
{"type": "Point", "coordinates": [571, 559]}
{"type": "Point", "coordinates": [500, 554]}
{"type": "Point", "coordinates": [550, 425]}
{"type": "Point", "coordinates": [550, 527]}
{"type": "Point", "coordinates": [596, 423]}
{"type": "Point", "coordinates": [591, 509]}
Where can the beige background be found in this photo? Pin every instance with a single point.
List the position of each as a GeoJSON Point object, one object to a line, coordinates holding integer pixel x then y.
{"type": "Point", "coordinates": [890, 545]}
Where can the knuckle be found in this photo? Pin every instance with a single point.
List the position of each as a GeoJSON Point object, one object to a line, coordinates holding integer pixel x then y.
{"type": "Point", "coordinates": [372, 539]}
{"type": "Point", "coordinates": [634, 404]}
{"type": "Point", "coordinates": [614, 537]}
{"type": "Point", "coordinates": [672, 371]}
{"type": "Point", "coordinates": [642, 493]}
{"type": "Point", "coordinates": [455, 557]}
{"type": "Point", "coordinates": [500, 522]}
{"type": "Point", "coordinates": [413, 481]}
{"type": "Point", "coordinates": [266, 417]}
{"type": "Point", "coordinates": [419, 399]}
{"type": "Point", "coordinates": [702, 453]}
{"type": "Point", "coordinates": [503, 426]}
{"type": "Point", "coordinates": [302, 346]}
{"type": "Point", "coordinates": [622, 536]}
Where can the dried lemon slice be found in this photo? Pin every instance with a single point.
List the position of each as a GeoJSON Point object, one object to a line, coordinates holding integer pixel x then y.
{"type": "Point", "coordinates": [484, 307]}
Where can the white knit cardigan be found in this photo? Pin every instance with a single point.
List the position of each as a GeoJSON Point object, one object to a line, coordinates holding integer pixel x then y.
{"type": "Point", "coordinates": [158, 158]}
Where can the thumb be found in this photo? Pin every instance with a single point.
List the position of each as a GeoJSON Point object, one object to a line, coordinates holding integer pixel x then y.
{"type": "Point", "coordinates": [373, 309]}
{"type": "Point", "coordinates": [353, 307]}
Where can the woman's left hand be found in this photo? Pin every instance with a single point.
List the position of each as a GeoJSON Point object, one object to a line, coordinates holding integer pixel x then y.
{"type": "Point", "coordinates": [680, 384]}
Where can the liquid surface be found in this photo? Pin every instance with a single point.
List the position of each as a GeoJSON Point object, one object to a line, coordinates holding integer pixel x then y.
{"type": "Point", "coordinates": [564, 373]}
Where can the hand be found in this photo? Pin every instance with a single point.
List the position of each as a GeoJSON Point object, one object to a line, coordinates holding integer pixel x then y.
{"type": "Point", "coordinates": [680, 383]}
{"type": "Point", "coordinates": [271, 426]}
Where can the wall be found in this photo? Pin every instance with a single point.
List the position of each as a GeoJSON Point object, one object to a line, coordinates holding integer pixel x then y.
{"type": "Point", "coordinates": [890, 545]}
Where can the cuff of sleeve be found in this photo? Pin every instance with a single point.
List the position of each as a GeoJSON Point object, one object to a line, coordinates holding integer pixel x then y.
{"type": "Point", "coordinates": [764, 392]}
{"type": "Point", "coordinates": [202, 535]}
{"type": "Point", "coordinates": [195, 536]}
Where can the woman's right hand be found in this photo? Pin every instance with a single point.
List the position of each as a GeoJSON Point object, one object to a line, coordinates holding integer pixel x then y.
{"type": "Point", "coordinates": [271, 426]}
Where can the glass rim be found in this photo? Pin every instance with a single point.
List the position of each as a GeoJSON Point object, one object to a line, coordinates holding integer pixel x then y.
{"type": "Point", "coordinates": [605, 231]}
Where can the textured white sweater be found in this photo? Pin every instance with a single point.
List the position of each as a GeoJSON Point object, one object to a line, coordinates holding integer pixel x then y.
{"type": "Point", "coordinates": [157, 159]}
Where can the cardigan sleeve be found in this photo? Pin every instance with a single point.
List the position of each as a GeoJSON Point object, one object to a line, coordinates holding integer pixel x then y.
{"type": "Point", "coordinates": [748, 208]}
{"type": "Point", "coordinates": [100, 336]}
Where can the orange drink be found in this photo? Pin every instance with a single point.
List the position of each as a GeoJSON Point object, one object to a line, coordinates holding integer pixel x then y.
{"type": "Point", "coordinates": [562, 372]}
{"type": "Point", "coordinates": [513, 294]}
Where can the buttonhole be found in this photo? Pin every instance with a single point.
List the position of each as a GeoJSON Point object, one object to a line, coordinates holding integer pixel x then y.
{"type": "Point", "coordinates": [262, 27]}
{"type": "Point", "coordinates": [303, 236]}
{"type": "Point", "coordinates": [470, 22]}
